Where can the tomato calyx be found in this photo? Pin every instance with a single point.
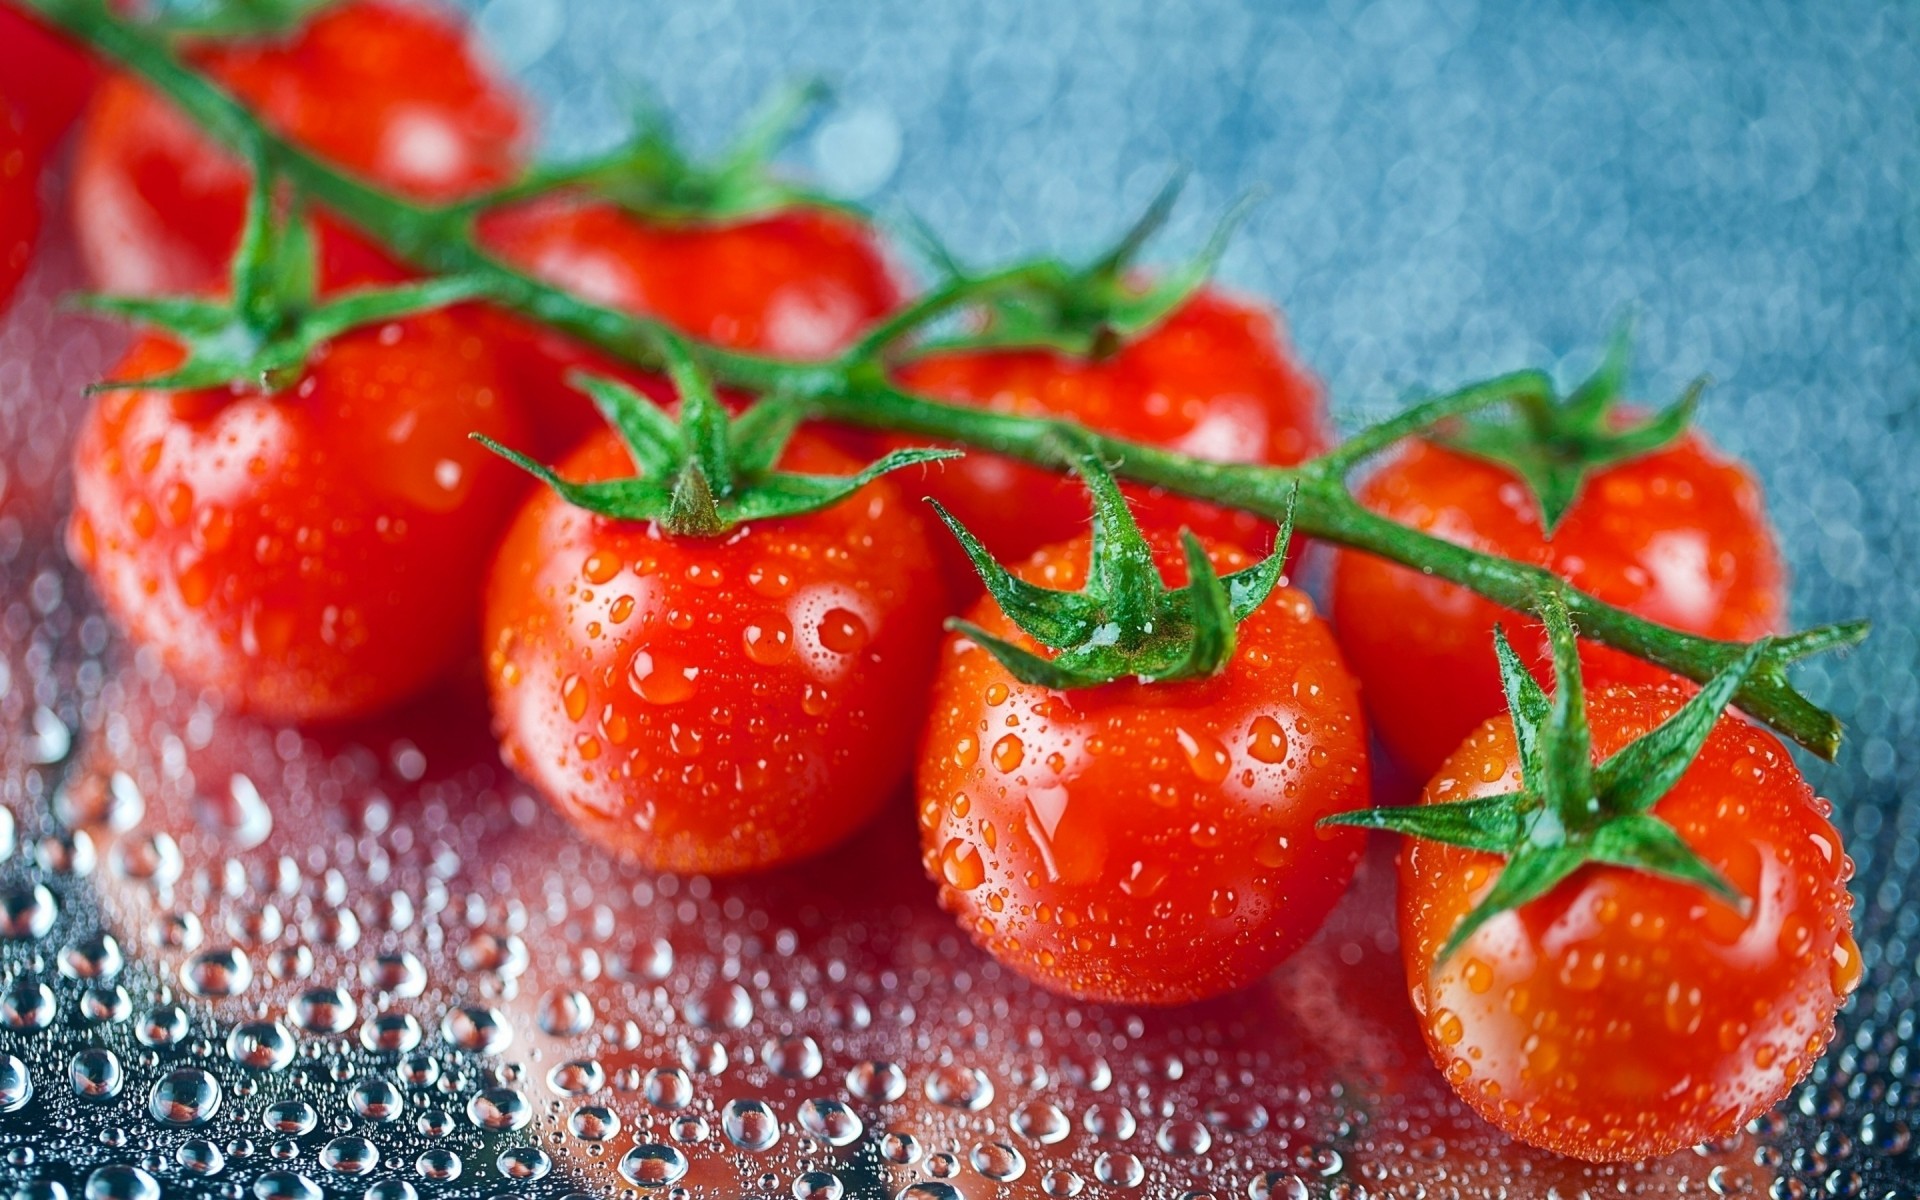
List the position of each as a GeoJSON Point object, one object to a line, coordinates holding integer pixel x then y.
{"type": "Point", "coordinates": [1125, 622]}
{"type": "Point", "coordinates": [705, 473]}
{"type": "Point", "coordinates": [1570, 811]}
{"type": "Point", "coordinates": [237, 18]}
{"type": "Point", "coordinates": [1555, 445]}
{"type": "Point", "coordinates": [652, 175]}
{"type": "Point", "coordinates": [1088, 311]}
{"type": "Point", "coordinates": [263, 335]}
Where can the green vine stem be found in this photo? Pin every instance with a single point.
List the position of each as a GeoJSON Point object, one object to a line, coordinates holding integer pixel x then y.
{"type": "Point", "coordinates": [854, 388]}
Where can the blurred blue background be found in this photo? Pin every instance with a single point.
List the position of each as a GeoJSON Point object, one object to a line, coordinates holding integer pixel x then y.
{"type": "Point", "coordinates": [1454, 188]}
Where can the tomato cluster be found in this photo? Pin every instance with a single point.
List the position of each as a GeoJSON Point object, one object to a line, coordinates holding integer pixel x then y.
{"type": "Point", "coordinates": [323, 546]}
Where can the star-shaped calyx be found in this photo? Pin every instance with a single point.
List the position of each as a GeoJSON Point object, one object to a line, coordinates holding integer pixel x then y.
{"type": "Point", "coordinates": [261, 337]}
{"type": "Point", "coordinates": [1125, 622]}
{"type": "Point", "coordinates": [707, 472]}
{"type": "Point", "coordinates": [1555, 445]}
{"type": "Point", "coordinates": [1088, 310]}
{"type": "Point", "coordinates": [1570, 811]}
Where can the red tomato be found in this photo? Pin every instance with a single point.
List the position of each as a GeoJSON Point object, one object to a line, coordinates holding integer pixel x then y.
{"type": "Point", "coordinates": [19, 202]}
{"type": "Point", "coordinates": [713, 705]}
{"type": "Point", "coordinates": [1679, 537]}
{"type": "Point", "coordinates": [1624, 1016]}
{"type": "Point", "coordinates": [314, 554]}
{"type": "Point", "coordinates": [800, 284]}
{"type": "Point", "coordinates": [1144, 843]}
{"type": "Point", "coordinates": [43, 74]}
{"type": "Point", "coordinates": [390, 90]}
{"type": "Point", "coordinates": [1216, 379]}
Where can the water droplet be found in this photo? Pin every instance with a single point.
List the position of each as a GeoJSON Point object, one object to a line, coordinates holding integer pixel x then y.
{"type": "Point", "coordinates": [960, 1087]}
{"type": "Point", "coordinates": [720, 1006]}
{"type": "Point", "coordinates": [817, 1185]}
{"type": "Point", "coordinates": [653, 1165]}
{"type": "Point", "coordinates": [121, 1182]}
{"type": "Point", "coordinates": [27, 911]}
{"type": "Point", "coordinates": [831, 1121]}
{"type": "Point", "coordinates": [16, 1084]}
{"type": "Point", "coordinates": [184, 1096]}
{"type": "Point", "coordinates": [793, 1057]}
{"type": "Point", "coordinates": [95, 1074]}
{"type": "Point", "coordinates": [27, 1005]}
{"type": "Point", "coordinates": [1183, 1139]}
{"type": "Point", "coordinates": [1062, 1184]}
{"type": "Point", "coordinates": [350, 1155]}
{"type": "Point", "coordinates": [1119, 1169]}
{"type": "Point", "coordinates": [476, 1030]}
{"type": "Point", "coordinates": [218, 972]}
{"type": "Point", "coordinates": [261, 1045]}
{"type": "Point", "coordinates": [285, 1185]}
{"type": "Point", "coordinates": [877, 1082]}
{"type": "Point", "coordinates": [162, 1026]}
{"type": "Point", "coordinates": [565, 1013]}
{"type": "Point", "coordinates": [1041, 1122]}
{"type": "Point", "coordinates": [668, 1087]}
{"type": "Point", "coordinates": [929, 1189]}
{"type": "Point", "coordinates": [524, 1163]}
{"type": "Point", "coordinates": [438, 1164]}
{"type": "Point", "coordinates": [577, 1077]}
{"type": "Point", "coordinates": [323, 1010]}
{"type": "Point", "coordinates": [294, 1118]}
{"type": "Point", "coordinates": [376, 1100]}
{"type": "Point", "coordinates": [391, 1033]}
{"type": "Point", "coordinates": [499, 1108]}
{"type": "Point", "coordinates": [750, 1124]}
{"type": "Point", "coordinates": [198, 1156]}
{"type": "Point", "coordinates": [997, 1161]}
{"type": "Point", "coordinates": [400, 975]}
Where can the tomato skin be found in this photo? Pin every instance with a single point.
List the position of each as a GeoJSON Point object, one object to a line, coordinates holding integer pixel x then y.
{"type": "Point", "coordinates": [44, 74]}
{"type": "Point", "coordinates": [19, 202]}
{"type": "Point", "coordinates": [312, 555]}
{"type": "Point", "coordinates": [1144, 844]}
{"type": "Point", "coordinates": [1679, 536]}
{"type": "Point", "coordinates": [1624, 1016]}
{"type": "Point", "coordinates": [800, 283]}
{"type": "Point", "coordinates": [713, 705]}
{"type": "Point", "coordinates": [390, 90]}
{"type": "Point", "coordinates": [1216, 379]}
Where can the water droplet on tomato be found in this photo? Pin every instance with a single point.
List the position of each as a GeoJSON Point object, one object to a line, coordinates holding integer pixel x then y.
{"type": "Point", "coordinates": [660, 680]}
{"type": "Point", "coordinates": [768, 642]}
{"type": "Point", "coordinates": [961, 865]}
{"type": "Point", "coordinates": [573, 694]}
{"type": "Point", "coordinates": [600, 566]}
{"type": "Point", "coordinates": [1008, 753]}
{"type": "Point", "coordinates": [1207, 758]}
{"type": "Point", "coordinates": [1267, 740]}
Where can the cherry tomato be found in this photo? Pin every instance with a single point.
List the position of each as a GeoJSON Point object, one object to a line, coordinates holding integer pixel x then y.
{"type": "Point", "coordinates": [713, 705]}
{"type": "Point", "coordinates": [43, 74]}
{"type": "Point", "coordinates": [1622, 1015]}
{"type": "Point", "coordinates": [1144, 843]}
{"type": "Point", "coordinates": [1679, 536]}
{"type": "Point", "coordinates": [314, 554]}
{"type": "Point", "coordinates": [392, 91]}
{"type": "Point", "coordinates": [1216, 379]}
{"type": "Point", "coordinates": [800, 283]}
{"type": "Point", "coordinates": [19, 202]}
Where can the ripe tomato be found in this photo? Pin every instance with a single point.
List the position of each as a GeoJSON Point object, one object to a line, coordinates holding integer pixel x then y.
{"type": "Point", "coordinates": [799, 283]}
{"type": "Point", "coordinates": [43, 74]}
{"type": "Point", "coordinates": [393, 91]}
{"type": "Point", "coordinates": [1624, 1015]}
{"type": "Point", "coordinates": [1216, 379]}
{"type": "Point", "coordinates": [19, 202]}
{"type": "Point", "coordinates": [1679, 536]}
{"type": "Point", "coordinates": [713, 704]}
{"type": "Point", "coordinates": [1144, 843]}
{"type": "Point", "coordinates": [309, 555]}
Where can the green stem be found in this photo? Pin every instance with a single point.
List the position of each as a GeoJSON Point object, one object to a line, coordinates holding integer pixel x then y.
{"type": "Point", "coordinates": [854, 388]}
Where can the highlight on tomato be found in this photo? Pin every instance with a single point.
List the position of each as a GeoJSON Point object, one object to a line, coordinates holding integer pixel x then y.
{"type": "Point", "coordinates": [278, 492]}
{"type": "Point", "coordinates": [1660, 956]}
{"type": "Point", "coordinates": [708, 644]}
{"type": "Point", "coordinates": [392, 90]}
{"type": "Point", "coordinates": [1131, 740]}
{"type": "Point", "coordinates": [1641, 513]}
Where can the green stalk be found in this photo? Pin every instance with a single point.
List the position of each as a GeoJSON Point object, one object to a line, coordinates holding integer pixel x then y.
{"type": "Point", "coordinates": [440, 240]}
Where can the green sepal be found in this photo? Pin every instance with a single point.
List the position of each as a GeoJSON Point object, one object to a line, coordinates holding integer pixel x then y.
{"type": "Point", "coordinates": [265, 333]}
{"type": "Point", "coordinates": [652, 174]}
{"type": "Point", "coordinates": [1092, 311]}
{"type": "Point", "coordinates": [1125, 622]}
{"type": "Point", "coordinates": [1555, 446]}
{"type": "Point", "coordinates": [705, 473]}
{"type": "Point", "coordinates": [233, 19]}
{"type": "Point", "coordinates": [1570, 811]}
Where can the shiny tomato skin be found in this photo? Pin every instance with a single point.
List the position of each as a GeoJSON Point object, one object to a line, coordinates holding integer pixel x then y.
{"type": "Point", "coordinates": [19, 202]}
{"type": "Point", "coordinates": [1137, 843]}
{"type": "Point", "coordinates": [312, 555]}
{"type": "Point", "coordinates": [1679, 536]}
{"type": "Point", "coordinates": [1624, 1016]}
{"type": "Point", "coordinates": [799, 283]}
{"type": "Point", "coordinates": [390, 90]}
{"type": "Point", "coordinates": [43, 74]}
{"type": "Point", "coordinates": [1216, 379]}
{"type": "Point", "coordinates": [713, 705]}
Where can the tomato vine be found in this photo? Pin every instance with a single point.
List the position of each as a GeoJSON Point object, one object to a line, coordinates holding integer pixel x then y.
{"type": "Point", "coordinates": [440, 239]}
